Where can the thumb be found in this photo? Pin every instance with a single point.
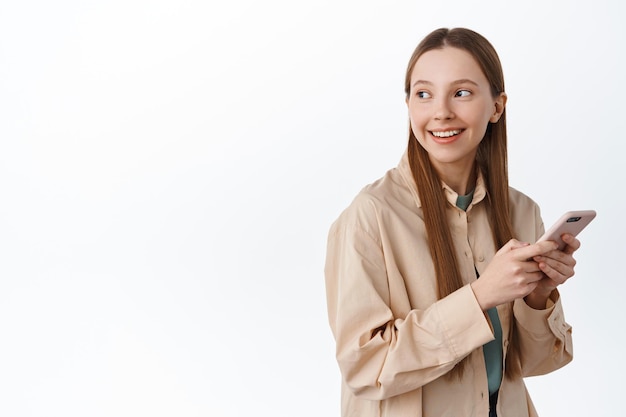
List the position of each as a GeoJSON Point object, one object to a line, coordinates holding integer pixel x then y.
{"type": "Point", "coordinates": [514, 244]}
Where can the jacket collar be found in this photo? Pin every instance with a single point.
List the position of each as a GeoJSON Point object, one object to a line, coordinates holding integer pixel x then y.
{"type": "Point", "coordinates": [405, 171]}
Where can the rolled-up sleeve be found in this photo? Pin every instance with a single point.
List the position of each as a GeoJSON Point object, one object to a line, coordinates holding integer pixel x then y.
{"type": "Point", "coordinates": [545, 337]}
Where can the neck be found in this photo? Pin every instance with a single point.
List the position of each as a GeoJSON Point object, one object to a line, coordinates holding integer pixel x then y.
{"type": "Point", "coordinates": [462, 179]}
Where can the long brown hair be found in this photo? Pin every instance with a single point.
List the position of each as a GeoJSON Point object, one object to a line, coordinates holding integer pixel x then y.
{"type": "Point", "coordinates": [491, 160]}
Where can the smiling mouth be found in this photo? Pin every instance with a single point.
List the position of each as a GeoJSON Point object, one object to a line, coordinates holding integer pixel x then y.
{"type": "Point", "coordinates": [446, 134]}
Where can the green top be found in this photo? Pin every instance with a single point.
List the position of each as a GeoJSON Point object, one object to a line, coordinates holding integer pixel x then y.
{"type": "Point", "coordinates": [463, 201]}
{"type": "Point", "coordinates": [493, 349]}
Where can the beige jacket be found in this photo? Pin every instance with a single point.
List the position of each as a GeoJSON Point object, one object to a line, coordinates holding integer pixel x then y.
{"type": "Point", "coordinates": [395, 340]}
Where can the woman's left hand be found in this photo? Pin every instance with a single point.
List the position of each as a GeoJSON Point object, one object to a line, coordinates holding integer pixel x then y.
{"type": "Point", "coordinates": [557, 267]}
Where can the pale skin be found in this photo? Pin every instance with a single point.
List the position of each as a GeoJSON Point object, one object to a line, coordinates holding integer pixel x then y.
{"type": "Point", "coordinates": [522, 270]}
{"type": "Point", "coordinates": [450, 105]}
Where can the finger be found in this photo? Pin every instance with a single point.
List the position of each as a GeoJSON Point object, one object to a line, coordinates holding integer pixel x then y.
{"type": "Point", "coordinates": [557, 256]}
{"type": "Point", "coordinates": [514, 244]}
{"type": "Point", "coordinates": [557, 272]}
{"type": "Point", "coordinates": [535, 276]}
{"type": "Point", "coordinates": [573, 244]}
{"type": "Point", "coordinates": [539, 248]}
{"type": "Point", "coordinates": [531, 265]}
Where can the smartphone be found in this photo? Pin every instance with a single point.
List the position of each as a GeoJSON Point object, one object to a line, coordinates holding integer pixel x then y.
{"type": "Point", "coordinates": [572, 222]}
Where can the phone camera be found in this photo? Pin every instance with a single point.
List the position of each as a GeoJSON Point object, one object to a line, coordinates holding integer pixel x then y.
{"type": "Point", "coordinates": [573, 219]}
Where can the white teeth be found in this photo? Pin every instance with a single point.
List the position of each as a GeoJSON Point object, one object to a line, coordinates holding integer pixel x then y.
{"type": "Point", "coordinates": [446, 134]}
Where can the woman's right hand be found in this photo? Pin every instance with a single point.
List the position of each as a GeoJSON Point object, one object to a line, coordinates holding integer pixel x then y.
{"type": "Point", "coordinates": [511, 274]}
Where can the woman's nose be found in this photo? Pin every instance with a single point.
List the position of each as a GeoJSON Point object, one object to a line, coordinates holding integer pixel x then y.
{"type": "Point", "coordinates": [443, 111]}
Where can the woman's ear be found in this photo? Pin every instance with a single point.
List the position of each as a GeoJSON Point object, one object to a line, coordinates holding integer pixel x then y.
{"type": "Point", "coordinates": [499, 106]}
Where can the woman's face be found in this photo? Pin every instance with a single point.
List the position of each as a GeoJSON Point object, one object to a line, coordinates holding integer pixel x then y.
{"type": "Point", "coordinates": [450, 104]}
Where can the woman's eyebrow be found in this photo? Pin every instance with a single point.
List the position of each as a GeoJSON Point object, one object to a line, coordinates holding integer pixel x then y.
{"type": "Point", "coordinates": [419, 82]}
{"type": "Point", "coordinates": [456, 82]}
{"type": "Point", "coordinates": [465, 81]}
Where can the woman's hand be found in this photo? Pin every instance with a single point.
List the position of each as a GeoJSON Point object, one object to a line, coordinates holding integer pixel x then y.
{"type": "Point", "coordinates": [514, 272]}
{"type": "Point", "coordinates": [557, 267]}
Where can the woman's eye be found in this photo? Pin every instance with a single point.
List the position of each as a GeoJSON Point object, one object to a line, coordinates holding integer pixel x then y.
{"type": "Point", "coordinates": [423, 94]}
{"type": "Point", "coordinates": [463, 93]}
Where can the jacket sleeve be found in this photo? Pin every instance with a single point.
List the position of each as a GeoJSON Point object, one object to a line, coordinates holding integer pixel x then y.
{"type": "Point", "coordinates": [379, 354]}
{"type": "Point", "coordinates": [544, 336]}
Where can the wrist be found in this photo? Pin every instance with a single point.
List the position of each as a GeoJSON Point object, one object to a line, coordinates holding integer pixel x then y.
{"type": "Point", "coordinates": [537, 300]}
{"type": "Point", "coordinates": [481, 297]}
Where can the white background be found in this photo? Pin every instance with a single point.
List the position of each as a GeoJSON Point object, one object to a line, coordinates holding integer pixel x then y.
{"type": "Point", "coordinates": [169, 171]}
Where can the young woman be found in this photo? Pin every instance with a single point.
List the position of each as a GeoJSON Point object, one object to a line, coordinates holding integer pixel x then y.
{"type": "Point", "coordinates": [438, 301]}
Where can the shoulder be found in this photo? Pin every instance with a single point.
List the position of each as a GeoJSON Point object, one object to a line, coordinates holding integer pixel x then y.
{"type": "Point", "coordinates": [375, 202]}
{"type": "Point", "coordinates": [520, 201]}
{"type": "Point", "coordinates": [525, 216]}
